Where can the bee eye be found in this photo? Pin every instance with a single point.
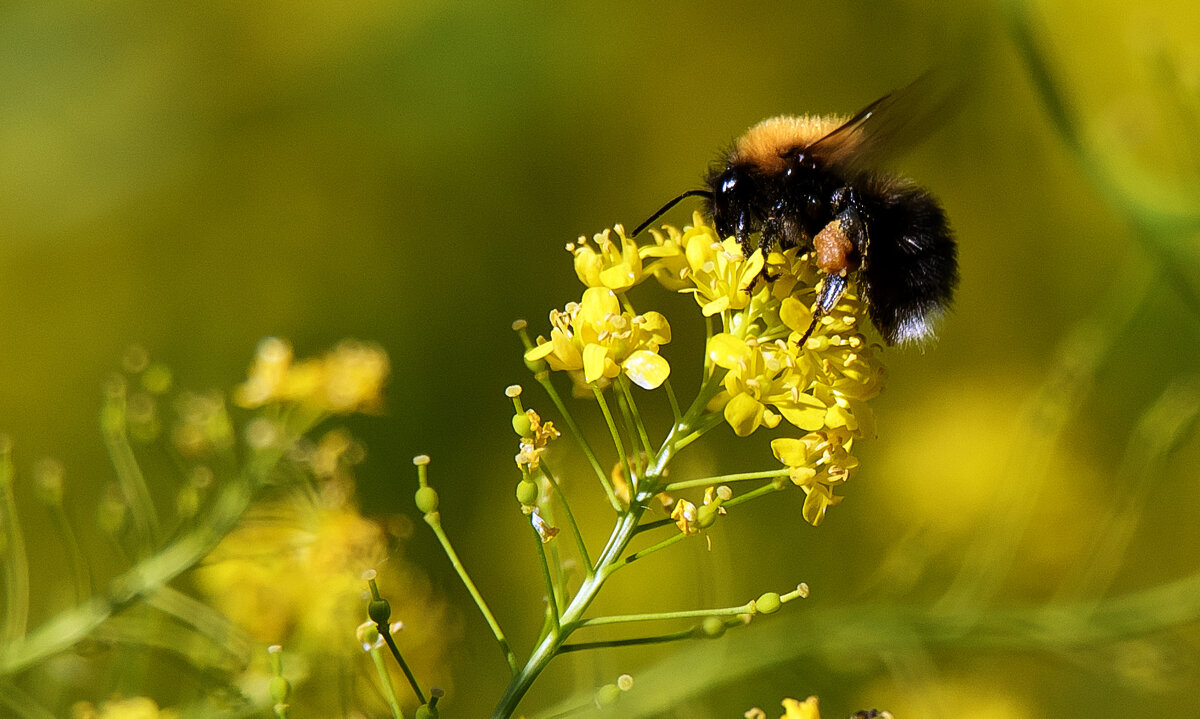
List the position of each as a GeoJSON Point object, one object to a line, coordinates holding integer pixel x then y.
{"type": "Point", "coordinates": [728, 183]}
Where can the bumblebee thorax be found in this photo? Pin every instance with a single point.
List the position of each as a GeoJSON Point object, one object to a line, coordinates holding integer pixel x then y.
{"type": "Point", "coordinates": [766, 145]}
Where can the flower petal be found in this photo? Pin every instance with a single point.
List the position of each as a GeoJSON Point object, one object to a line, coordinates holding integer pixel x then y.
{"type": "Point", "coordinates": [646, 369]}
{"type": "Point", "coordinates": [744, 414]}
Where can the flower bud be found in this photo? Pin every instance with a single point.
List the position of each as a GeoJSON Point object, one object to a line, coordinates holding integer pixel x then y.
{"type": "Point", "coordinates": [768, 603]}
{"type": "Point", "coordinates": [527, 492]}
{"type": "Point", "coordinates": [521, 425]}
{"type": "Point", "coordinates": [607, 695]}
{"type": "Point", "coordinates": [712, 627]}
{"type": "Point", "coordinates": [427, 499]}
{"type": "Point", "coordinates": [706, 515]}
{"type": "Point", "coordinates": [379, 610]}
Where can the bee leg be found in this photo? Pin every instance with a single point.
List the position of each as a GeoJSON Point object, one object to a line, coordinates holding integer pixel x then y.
{"type": "Point", "coordinates": [839, 248]}
{"type": "Point", "coordinates": [832, 287]}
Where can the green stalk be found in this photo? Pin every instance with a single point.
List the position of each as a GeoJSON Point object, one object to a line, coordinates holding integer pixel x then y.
{"type": "Point", "coordinates": [385, 679]}
{"type": "Point", "coordinates": [434, 520]}
{"type": "Point", "coordinates": [575, 531]}
{"type": "Point", "coordinates": [612, 429]}
{"type": "Point", "coordinates": [543, 378]}
{"type": "Point", "coordinates": [16, 568]}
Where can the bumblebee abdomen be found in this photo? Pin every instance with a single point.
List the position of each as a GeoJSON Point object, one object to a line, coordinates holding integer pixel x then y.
{"type": "Point", "coordinates": [910, 267]}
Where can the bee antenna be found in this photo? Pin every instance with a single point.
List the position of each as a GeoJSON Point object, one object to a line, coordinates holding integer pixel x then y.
{"type": "Point", "coordinates": [669, 205]}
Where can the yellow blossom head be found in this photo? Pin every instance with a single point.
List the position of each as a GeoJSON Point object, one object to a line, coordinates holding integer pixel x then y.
{"type": "Point", "coordinates": [721, 275]}
{"type": "Point", "coordinates": [615, 264]}
{"type": "Point", "coordinates": [596, 336]}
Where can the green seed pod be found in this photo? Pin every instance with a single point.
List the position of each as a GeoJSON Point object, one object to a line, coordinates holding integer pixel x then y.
{"type": "Point", "coordinates": [712, 627]}
{"type": "Point", "coordinates": [706, 515]}
{"type": "Point", "coordinates": [768, 603]}
{"type": "Point", "coordinates": [427, 712]}
{"type": "Point", "coordinates": [521, 425]}
{"type": "Point", "coordinates": [527, 492]}
{"type": "Point", "coordinates": [427, 499]}
{"type": "Point", "coordinates": [607, 695]}
{"type": "Point", "coordinates": [380, 611]}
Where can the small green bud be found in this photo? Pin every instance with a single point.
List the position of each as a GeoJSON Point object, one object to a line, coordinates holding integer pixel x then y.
{"type": "Point", "coordinates": [427, 499]}
{"type": "Point", "coordinates": [768, 603]}
{"type": "Point", "coordinates": [712, 627]}
{"type": "Point", "coordinates": [527, 492]}
{"type": "Point", "coordinates": [521, 425]}
{"type": "Point", "coordinates": [706, 515]}
{"type": "Point", "coordinates": [427, 712]}
{"type": "Point", "coordinates": [607, 695]}
{"type": "Point", "coordinates": [380, 611]}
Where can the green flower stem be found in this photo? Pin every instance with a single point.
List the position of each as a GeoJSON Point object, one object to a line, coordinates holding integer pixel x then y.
{"type": "Point", "coordinates": [145, 577]}
{"type": "Point", "coordinates": [693, 424]}
{"type": "Point", "coordinates": [623, 383]}
{"type": "Point", "coordinates": [551, 587]}
{"type": "Point", "coordinates": [549, 646]}
{"type": "Point", "coordinates": [543, 378]}
{"type": "Point", "coordinates": [129, 474]}
{"type": "Point", "coordinates": [673, 539]}
{"type": "Point", "coordinates": [385, 680]}
{"type": "Point", "coordinates": [575, 531]}
{"type": "Point", "coordinates": [612, 429]}
{"type": "Point", "coordinates": [632, 430]}
{"type": "Point", "coordinates": [21, 704]}
{"type": "Point", "coordinates": [386, 632]}
{"type": "Point", "coordinates": [675, 411]}
{"type": "Point", "coordinates": [724, 479]}
{"type": "Point", "coordinates": [80, 577]}
{"type": "Point", "coordinates": [755, 493]}
{"type": "Point", "coordinates": [632, 642]}
{"type": "Point", "coordinates": [434, 520]}
{"type": "Point", "coordinates": [747, 608]}
{"type": "Point", "coordinates": [16, 566]}
{"type": "Point", "coordinates": [656, 524]}
{"type": "Point", "coordinates": [702, 426]}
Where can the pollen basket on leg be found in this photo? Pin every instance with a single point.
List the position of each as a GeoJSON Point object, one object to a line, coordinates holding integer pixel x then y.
{"type": "Point", "coordinates": [761, 144]}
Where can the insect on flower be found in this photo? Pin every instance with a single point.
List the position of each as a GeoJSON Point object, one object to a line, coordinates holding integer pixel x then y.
{"type": "Point", "coordinates": [814, 182]}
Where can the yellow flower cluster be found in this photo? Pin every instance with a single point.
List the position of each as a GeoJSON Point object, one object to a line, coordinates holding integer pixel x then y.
{"type": "Point", "coordinates": [347, 379]}
{"type": "Point", "coordinates": [820, 386]}
{"type": "Point", "coordinates": [604, 341]}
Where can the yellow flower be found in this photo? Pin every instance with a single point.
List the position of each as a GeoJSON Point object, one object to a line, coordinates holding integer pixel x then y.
{"type": "Point", "coordinates": [668, 263]}
{"type": "Point", "coordinates": [615, 265]}
{"type": "Point", "coordinates": [817, 462]}
{"type": "Point", "coordinates": [806, 709]}
{"type": "Point", "coordinates": [347, 379]}
{"type": "Point", "coordinates": [603, 341]}
{"type": "Point", "coordinates": [761, 374]}
{"type": "Point", "coordinates": [721, 274]}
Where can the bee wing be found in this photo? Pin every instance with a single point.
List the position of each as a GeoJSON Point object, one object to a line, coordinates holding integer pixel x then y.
{"type": "Point", "coordinates": [888, 126]}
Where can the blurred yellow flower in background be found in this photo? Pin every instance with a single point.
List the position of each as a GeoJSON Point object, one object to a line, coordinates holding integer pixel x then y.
{"type": "Point", "coordinates": [347, 379]}
{"type": "Point", "coordinates": [131, 708]}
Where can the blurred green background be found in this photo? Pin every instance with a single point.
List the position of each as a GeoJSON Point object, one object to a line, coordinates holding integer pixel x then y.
{"type": "Point", "coordinates": [193, 176]}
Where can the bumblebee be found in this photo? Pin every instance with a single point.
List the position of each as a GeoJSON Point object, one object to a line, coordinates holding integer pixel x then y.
{"type": "Point", "coordinates": [814, 182]}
